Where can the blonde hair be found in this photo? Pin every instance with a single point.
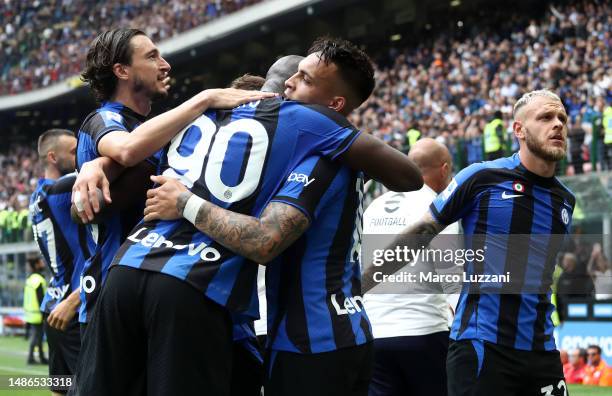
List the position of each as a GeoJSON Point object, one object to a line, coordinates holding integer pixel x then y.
{"type": "Point", "coordinates": [528, 97]}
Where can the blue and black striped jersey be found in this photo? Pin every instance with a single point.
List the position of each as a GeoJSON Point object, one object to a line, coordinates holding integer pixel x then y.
{"type": "Point", "coordinates": [524, 218]}
{"type": "Point", "coordinates": [236, 159]}
{"type": "Point", "coordinates": [313, 288]}
{"type": "Point", "coordinates": [109, 234]}
{"type": "Point", "coordinates": [62, 243]}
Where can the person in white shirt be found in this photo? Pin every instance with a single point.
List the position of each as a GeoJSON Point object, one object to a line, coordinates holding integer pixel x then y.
{"type": "Point", "coordinates": [410, 330]}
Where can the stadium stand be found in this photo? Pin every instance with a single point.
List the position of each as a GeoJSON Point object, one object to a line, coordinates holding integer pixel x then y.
{"type": "Point", "coordinates": [449, 89]}
{"type": "Point", "coordinates": [20, 169]}
{"type": "Point", "coordinates": [437, 87]}
{"type": "Point", "coordinates": [34, 58]}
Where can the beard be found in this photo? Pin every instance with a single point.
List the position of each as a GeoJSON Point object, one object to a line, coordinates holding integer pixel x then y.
{"type": "Point", "coordinates": [65, 166]}
{"type": "Point", "coordinates": [150, 90]}
{"type": "Point", "coordinates": [539, 149]}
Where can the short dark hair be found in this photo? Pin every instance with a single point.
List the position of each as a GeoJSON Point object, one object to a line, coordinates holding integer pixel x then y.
{"type": "Point", "coordinates": [48, 139]}
{"type": "Point", "coordinates": [248, 82]}
{"type": "Point", "coordinates": [112, 46]}
{"type": "Point", "coordinates": [595, 347]}
{"type": "Point", "coordinates": [354, 65]}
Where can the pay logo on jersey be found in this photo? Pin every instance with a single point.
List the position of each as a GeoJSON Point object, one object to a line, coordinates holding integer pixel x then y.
{"type": "Point", "coordinates": [155, 240]}
{"type": "Point", "coordinates": [300, 178]}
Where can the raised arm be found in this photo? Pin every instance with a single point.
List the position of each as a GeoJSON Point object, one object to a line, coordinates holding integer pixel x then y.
{"type": "Point", "coordinates": [125, 149]}
{"type": "Point", "coordinates": [383, 163]}
{"type": "Point", "coordinates": [426, 228]}
{"type": "Point", "coordinates": [130, 148]}
{"type": "Point", "coordinates": [258, 239]}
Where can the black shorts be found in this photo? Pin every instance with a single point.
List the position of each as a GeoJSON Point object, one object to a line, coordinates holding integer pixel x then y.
{"type": "Point", "coordinates": [64, 347]}
{"type": "Point", "coordinates": [477, 368]}
{"type": "Point", "coordinates": [153, 334]}
{"type": "Point", "coordinates": [410, 365]}
{"type": "Point", "coordinates": [344, 372]}
{"type": "Point", "coordinates": [247, 370]}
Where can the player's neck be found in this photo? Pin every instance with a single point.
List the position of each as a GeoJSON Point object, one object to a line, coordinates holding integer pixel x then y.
{"type": "Point", "coordinates": [52, 173]}
{"type": "Point", "coordinates": [537, 165]}
{"type": "Point", "coordinates": [135, 101]}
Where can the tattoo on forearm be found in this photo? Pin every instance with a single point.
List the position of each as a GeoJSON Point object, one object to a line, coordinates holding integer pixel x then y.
{"type": "Point", "coordinates": [257, 239]}
{"type": "Point", "coordinates": [182, 201]}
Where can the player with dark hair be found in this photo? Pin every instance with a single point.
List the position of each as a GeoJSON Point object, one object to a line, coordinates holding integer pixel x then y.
{"type": "Point", "coordinates": [62, 246]}
{"type": "Point", "coordinates": [125, 70]}
{"type": "Point", "coordinates": [319, 336]}
{"type": "Point", "coordinates": [169, 273]}
{"type": "Point", "coordinates": [502, 339]}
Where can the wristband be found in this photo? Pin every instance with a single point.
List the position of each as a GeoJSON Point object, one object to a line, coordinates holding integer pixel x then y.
{"type": "Point", "coordinates": [192, 207]}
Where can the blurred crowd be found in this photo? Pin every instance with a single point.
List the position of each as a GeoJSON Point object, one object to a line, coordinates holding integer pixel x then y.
{"type": "Point", "coordinates": [20, 170]}
{"type": "Point", "coordinates": [586, 366]}
{"type": "Point", "coordinates": [583, 271]}
{"type": "Point", "coordinates": [450, 89]}
{"type": "Point", "coordinates": [32, 57]}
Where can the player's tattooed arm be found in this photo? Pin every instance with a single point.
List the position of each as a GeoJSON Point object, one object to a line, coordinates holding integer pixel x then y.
{"type": "Point", "coordinates": [426, 229]}
{"type": "Point", "coordinates": [258, 239]}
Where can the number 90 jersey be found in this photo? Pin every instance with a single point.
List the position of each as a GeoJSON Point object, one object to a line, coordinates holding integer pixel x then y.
{"type": "Point", "coordinates": [236, 159]}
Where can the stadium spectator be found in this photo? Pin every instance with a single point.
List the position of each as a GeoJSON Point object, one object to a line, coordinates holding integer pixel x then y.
{"type": "Point", "coordinates": [576, 147]}
{"type": "Point", "coordinates": [34, 57]}
{"type": "Point", "coordinates": [607, 130]}
{"type": "Point", "coordinates": [564, 356]}
{"type": "Point", "coordinates": [33, 292]}
{"type": "Point", "coordinates": [574, 282]}
{"type": "Point", "coordinates": [597, 371]}
{"type": "Point", "coordinates": [599, 269]}
{"type": "Point", "coordinates": [574, 369]}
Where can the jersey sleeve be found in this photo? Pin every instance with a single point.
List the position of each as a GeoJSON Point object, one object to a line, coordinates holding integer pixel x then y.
{"type": "Point", "coordinates": [306, 185]}
{"type": "Point", "coordinates": [452, 203]}
{"type": "Point", "coordinates": [155, 159]}
{"type": "Point", "coordinates": [324, 131]}
{"type": "Point", "coordinates": [104, 123]}
{"type": "Point", "coordinates": [97, 125]}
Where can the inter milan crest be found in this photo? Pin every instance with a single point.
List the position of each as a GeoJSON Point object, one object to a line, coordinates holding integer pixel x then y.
{"type": "Point", "coordinates": [565, 216]}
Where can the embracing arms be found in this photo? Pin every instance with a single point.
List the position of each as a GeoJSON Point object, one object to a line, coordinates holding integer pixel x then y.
{"type": "Point", "coordinates": [258, 239]}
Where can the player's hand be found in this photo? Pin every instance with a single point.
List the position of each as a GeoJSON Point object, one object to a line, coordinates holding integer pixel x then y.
{"type": "Point", "coordinates": [161, 201]}
{"type": "Point", "coordinates": [61, 315]}
{"type": "Point", "coordinates": [228, 98]}
{"type": "Point", "coordinates": [90, 187]}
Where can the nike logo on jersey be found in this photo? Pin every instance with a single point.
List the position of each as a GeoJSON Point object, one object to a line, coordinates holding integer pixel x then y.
{"type": "Point", "coordinates": [350, 304]}
{"type": "Point", "coordinates": [300, 178]}
{"type": "Point", "coordinates": [155, 240]}
{"type": "Point", "coordinates": [508, 196]}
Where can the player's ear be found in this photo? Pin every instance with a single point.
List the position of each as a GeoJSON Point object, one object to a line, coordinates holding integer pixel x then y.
{"type": "Point", "coordinates": [519, 130]}
{"type": "Point", "coordinates": [51, 157]}
{"type": "Point", "coordinates": [120, 71]}
{"type": "Point", "coordinates": [338, 103]}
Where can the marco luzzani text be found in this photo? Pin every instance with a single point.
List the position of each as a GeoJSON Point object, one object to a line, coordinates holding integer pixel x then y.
{"type": "Point", "coordinates": [448, 257]}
